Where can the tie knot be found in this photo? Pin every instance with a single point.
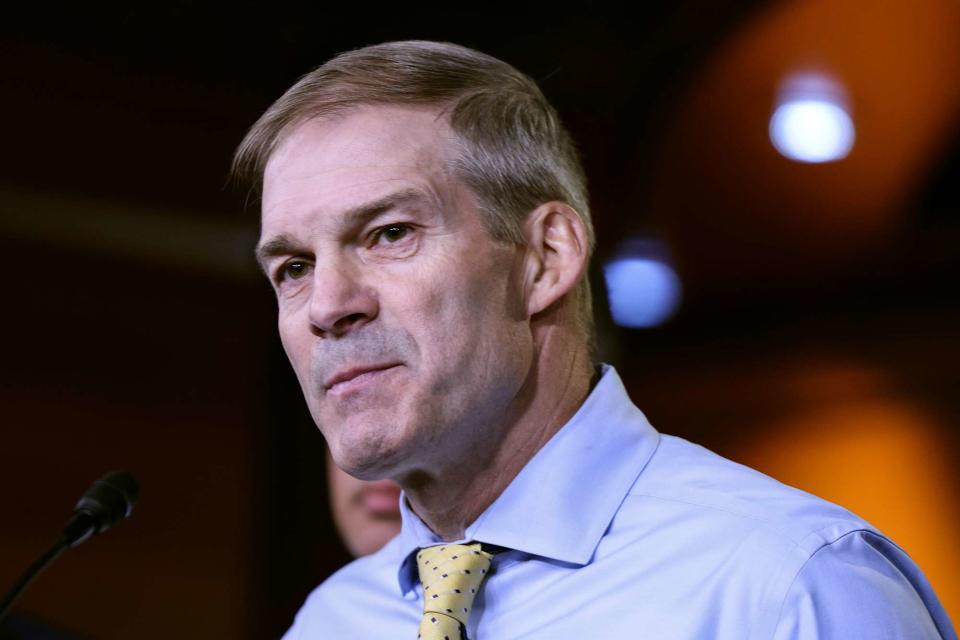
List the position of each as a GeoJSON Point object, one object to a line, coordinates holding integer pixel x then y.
{"type": "Point", "coordinates": [451, 575]}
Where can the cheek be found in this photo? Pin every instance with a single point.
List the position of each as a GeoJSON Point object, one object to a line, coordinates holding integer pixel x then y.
{"type": "Point", "coordinates": [469, 327]}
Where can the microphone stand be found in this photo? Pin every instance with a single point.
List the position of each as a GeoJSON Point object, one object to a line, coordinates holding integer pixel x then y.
{"type": "Point", "coordinates": [51, 554]}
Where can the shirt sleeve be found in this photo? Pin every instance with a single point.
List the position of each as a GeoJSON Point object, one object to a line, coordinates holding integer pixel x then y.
{"type": "Point", "coordinates": [861, 586]}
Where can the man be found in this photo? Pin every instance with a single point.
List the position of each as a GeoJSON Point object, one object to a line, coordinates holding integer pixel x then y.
{"type": "Point", "coordinates": [425, 226]}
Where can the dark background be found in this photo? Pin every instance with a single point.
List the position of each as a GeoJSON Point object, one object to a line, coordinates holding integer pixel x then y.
{"type": "Point", "coordinates": [816, 338]}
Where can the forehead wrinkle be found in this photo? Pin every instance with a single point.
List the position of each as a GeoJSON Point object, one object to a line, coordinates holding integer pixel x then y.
{"type": "Point", "coordinates": [363, 213]}
{"type": "Point", "coordinates": [426, 172]}
{"type": "Point", "coordinates": [429, 162]}
{"type": "Point", "coordinates": [284, 243]}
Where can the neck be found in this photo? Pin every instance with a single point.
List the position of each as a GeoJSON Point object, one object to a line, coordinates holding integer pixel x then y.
{"type": "Point", "coordinates": [559, 382]}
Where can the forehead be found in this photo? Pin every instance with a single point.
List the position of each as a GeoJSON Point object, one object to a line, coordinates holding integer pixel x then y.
{"type": "Point", "coordinates": [364, 152]}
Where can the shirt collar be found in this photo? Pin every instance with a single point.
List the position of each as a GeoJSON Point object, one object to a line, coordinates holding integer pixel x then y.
{"type": "Point", "coordinates": [563, 500]}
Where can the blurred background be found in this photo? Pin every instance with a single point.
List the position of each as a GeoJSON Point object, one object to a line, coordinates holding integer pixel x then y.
{"type": "Point", "coordinates": [776, 190]}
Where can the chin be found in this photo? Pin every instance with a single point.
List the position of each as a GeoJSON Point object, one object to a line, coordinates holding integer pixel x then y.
{"type": "Point", "coordinates": [366, 453]}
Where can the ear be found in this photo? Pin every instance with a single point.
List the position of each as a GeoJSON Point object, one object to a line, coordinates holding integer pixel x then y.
{"type": "Point", "coordinates": [557, 248]}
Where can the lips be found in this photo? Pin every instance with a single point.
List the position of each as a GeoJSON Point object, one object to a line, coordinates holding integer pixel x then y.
{"type": "Point", "coordinates": [345, 376]}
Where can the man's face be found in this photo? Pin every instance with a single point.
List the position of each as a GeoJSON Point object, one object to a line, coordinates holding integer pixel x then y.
{"type": "Point", "coordinates": [403, 319]}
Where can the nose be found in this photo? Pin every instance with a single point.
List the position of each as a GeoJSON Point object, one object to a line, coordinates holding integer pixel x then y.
{"type": "Point", "coordinates": [340, 301]}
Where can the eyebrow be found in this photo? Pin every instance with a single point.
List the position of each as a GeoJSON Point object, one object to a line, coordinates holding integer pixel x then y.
{"type": "Point", "coordinates": [283, 244]}
{"type": "Point", "coordinates": [280, 245]}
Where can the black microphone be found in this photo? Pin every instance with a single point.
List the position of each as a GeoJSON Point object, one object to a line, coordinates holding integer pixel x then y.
{"type": "Point", "coordinates": [106, 502]}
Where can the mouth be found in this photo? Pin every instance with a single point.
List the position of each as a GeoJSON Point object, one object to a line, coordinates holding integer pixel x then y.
{"type": "Point", "coordinates": [355, 377]}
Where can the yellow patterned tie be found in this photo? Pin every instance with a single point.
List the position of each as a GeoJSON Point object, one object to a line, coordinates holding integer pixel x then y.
{"type": "Point", "coordinates": [451, 575]}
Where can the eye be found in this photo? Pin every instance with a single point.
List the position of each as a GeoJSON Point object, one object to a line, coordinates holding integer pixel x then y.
{"type": "Point", "coordinates": [392, 233]}
{"type": "Point", "coordinates": [294, 270]}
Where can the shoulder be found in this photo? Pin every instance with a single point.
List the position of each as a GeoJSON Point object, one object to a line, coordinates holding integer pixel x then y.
{"type": "Point", "coordinates": [802, 564]}
{"type": "Point", "coordinates": [366, 584]}
{"type": "Point", "coordinates": [865, 573]}
{"type": "Point", "coordinates": [364, 575]}
{"type": "Point", "coordinates": [722, 495]}
{"type": "Point", "coordinates": [749, 532]}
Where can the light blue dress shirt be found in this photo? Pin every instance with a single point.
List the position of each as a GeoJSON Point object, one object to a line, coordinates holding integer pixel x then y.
{"type": "Point", "coordinates": [616, 531]}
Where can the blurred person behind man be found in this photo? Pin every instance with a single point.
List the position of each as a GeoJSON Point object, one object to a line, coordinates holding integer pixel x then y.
{"type": "Point", "coordinates": [366, 513]}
